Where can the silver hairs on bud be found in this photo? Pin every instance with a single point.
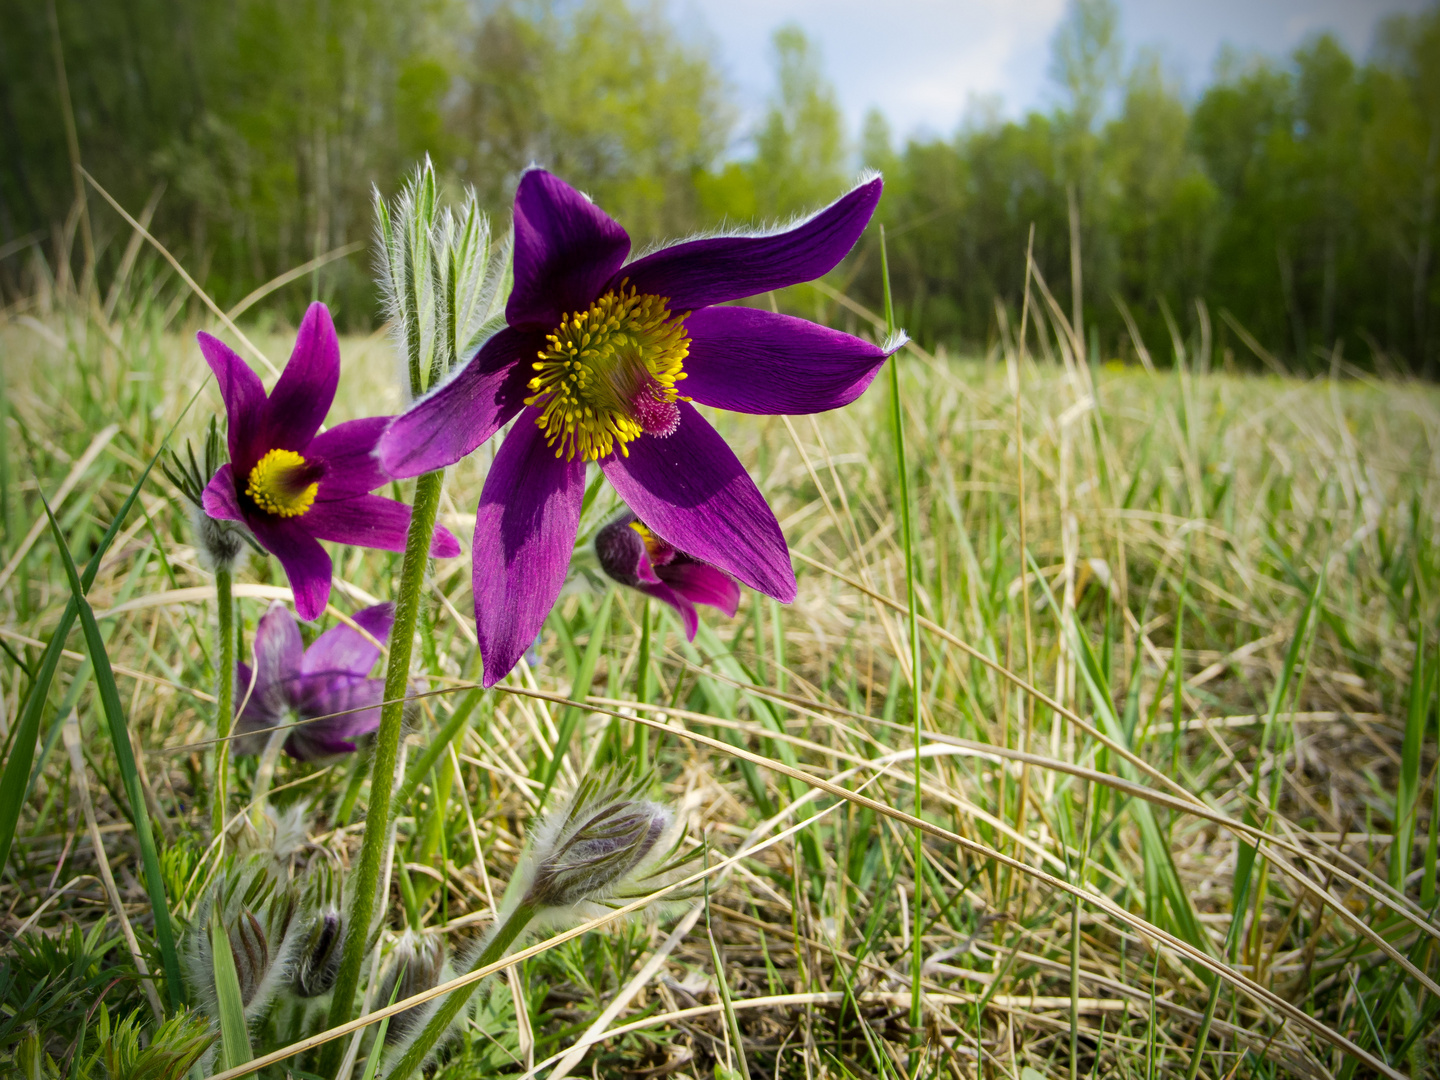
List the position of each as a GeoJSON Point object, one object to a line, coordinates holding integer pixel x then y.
{"type": "Point", "coordinates": [221, 545]}
{"type": "Point", "coordinates": [443, 292]}
{"type": "Point", "coordinates": [417, 963]}
{"type": "Point", "coordinates": [318, 959]}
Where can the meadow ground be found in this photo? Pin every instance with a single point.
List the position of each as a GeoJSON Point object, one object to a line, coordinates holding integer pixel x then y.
{"type": "Point", "coordinates": [1194, 732]}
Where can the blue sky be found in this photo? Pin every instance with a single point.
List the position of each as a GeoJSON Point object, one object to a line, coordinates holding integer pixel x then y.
{"type": "Point", "coordinates": [923, 62]}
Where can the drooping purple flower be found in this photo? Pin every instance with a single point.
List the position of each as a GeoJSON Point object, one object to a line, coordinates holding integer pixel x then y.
{"type": "Point", "coordinates": [294, 685]}
{"type": "Point", "coordinates": [596, 354]}
{"type": "Point", "coordinates": [633, 555]}
{"type": "Point", "coordinates": [292, 487]}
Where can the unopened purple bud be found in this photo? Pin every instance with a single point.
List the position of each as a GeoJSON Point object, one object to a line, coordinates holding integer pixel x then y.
{"type": "Point", "coordinates": [416, 965]}
{"type": "Point", "coordinates": [251, 952]}
{"type": "Point", "coordinates": [620, 550]}
{"type": "Point", "coordinates": [319, 959]}
{"type": "Point", "coordinates": [597, 845]}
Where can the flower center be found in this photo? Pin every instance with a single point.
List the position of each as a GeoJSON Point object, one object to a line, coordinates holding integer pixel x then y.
{"type": "Point", "coordinates": [607, 375]}
{"type": "Point", "coordinates": [284, 483]}
{"type": "Point", "coordinates": [659, 552]}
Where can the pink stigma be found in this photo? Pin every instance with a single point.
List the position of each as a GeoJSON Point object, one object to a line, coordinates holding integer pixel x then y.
{"type": "Point", "coordinates": [654, 414]}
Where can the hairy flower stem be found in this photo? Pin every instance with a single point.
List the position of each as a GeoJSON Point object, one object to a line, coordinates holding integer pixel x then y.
{"type": "Point", "coordinates": [907, 541]}
{"type": "Point", "coordinates": [387, 742]}
{"type": "Point", "coordinates": [444, 1016]}
{"type": "Point", "coordinates": [225, 696]}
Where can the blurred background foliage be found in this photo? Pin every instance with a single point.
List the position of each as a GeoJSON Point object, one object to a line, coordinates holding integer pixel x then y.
{"type": "Point", "coordinates": [1296, 197]}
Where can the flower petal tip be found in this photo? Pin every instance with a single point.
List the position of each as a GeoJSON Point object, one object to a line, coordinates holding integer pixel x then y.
{"type": "Point", "coordinates": [444, 545]}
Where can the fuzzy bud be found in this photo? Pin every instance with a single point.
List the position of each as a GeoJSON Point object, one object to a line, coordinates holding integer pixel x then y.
{"type": "Point", "coordinates": [443, 292]}
{"type": "Point", "coordinates": [319, 960]}
{"type": "Point", "coordinates": [251, 952]}
{"type": "Point", "coordinates": [621, 550]}
{"type": "Point", "coordinates": [220, 544]}
{"type": "Point", "coordinates": [601, 837]}
{"type": "Point", "coordinates": [416, 964]}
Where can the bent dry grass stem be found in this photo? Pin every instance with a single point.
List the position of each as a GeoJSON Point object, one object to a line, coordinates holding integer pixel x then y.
{"type": "Point", "coordinates": [1239, 508]}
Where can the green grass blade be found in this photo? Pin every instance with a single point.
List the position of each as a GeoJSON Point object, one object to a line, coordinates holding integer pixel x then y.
{"type": "Point", "coordinates": [234, 1032]}
{"type": "Point", "coordinates": [377, 1048]}
{"type": "Point", "coordinates": [125, 757]}
{"type": "Point", "coordinates": [431, 754]}
{"type": "Point", "coordinates": [1408, 791]}
{"type": "Point", "coordinates": [907, 542]}
{"type": "Point", "coordinates": [732, 1024]}
{"type": "Point", "coordinates": [1432, 845]}
{"type": "Point", "coordinates": [1158, 858]}
{"type": "Point", "coordinates": [578, 691]}
{"type": "Point", "coordinates": [15, 782]}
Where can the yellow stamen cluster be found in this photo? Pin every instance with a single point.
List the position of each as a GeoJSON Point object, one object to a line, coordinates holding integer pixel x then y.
{"type": "Point", "coordinates": [598, 363]}
{"type": "Point", "coordinates": [658, 550]}
{"type": "Point", "coordinates": [274, 487]}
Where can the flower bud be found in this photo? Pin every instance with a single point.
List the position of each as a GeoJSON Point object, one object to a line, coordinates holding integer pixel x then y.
{"type": "Point", "coordinates": [630, 553]}
{"type": "Point", "coordinates": [319, 959]}
{"type": "Point", "coordinates": [600, 837]}
{"type": "Point", "coordinates": [621, 549]}
{"type": "Point", "coordinates": [441, 292]}
{"type": "Point", "coordinates": [220, 544]}
{"type": "Point", "coordinates": [251, 952]}
{"type": "Point", "coordinates": [416, 964]}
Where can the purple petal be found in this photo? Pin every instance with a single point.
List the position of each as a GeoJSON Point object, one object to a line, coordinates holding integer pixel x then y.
{"type": "Point", "coordinates": [306, 387]}
{"type": "Point", "coordinates": [219, 499]}
{"type": "Point", "coordinates": [753, 361]}
{"type": "Point", "coordinates": [710, 271]}
{"type": "Point", "coordinates": [441, 428]}
{"type": "Point", "coordinates": [335, 733]}
{"type": "Point", "coordinates": [253, 708]}
{"type": "Point", "coordinates": [681, 604]}
{"type": "Point", "coordinates": [244, 396]}
{"type": "Point", "coordinates": [524, 533]}
{"type": "Point", "coordinates": [303, 559]}
{"type": "Point", "coordinates": [692, 491]}
{"type": "Point", "coordinates": [347, 452]}
{"type": "Point", "coordinates": [702, 584]}
{"type": "Point", "coordinates": [342, 650]}
{"type": "Point", "coordinates": [566, 248]}
{"type": "Point", "coordinates": [279, 651]}
{"type": "Point", "coordinates": [372, 521]}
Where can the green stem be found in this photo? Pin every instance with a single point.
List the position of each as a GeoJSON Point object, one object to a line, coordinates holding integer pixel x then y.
{"type": "Point", "coordinates": [225, 697]}
{"type": "Point", "coordinates": [444, 1016]}
{"type": "Point", "coordinates": [897, 424]}
{"type": "Point", "coordinates": [387, 743]}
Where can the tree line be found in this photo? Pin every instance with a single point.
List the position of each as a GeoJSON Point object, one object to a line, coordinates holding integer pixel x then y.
{"type": "Point", "coordinates": [1290, 203]}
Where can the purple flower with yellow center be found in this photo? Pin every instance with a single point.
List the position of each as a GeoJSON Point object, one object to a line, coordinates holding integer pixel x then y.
{"type": "Point", "coordinates": [601, 361]}
{"type": "Point", "coordinates": [293, 485]}
{"type": "Point", "coordinates": [330, 681]}
{"type": "Point", "coordinates": [633, 555]}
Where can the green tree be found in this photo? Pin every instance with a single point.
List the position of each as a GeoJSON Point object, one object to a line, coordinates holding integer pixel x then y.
{"type": "Point", "coordinates": [602, 92]}
{"type": "Point", "coordinates": [1159, 212]}
{"type": "Point", "coordinates": [800, 152]}
{"type": "Point", "coordinates": [1403, 159]}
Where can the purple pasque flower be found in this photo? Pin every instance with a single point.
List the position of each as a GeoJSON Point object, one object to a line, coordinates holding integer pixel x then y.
{"type": "Point", "coordinates": [294, 685]}
{"type": "Point", "coordinates": [292, 487]}
{"type": "Point", "coordinates": [596, 354]}
{"type": "Point", "coordinates": [633, 555]}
